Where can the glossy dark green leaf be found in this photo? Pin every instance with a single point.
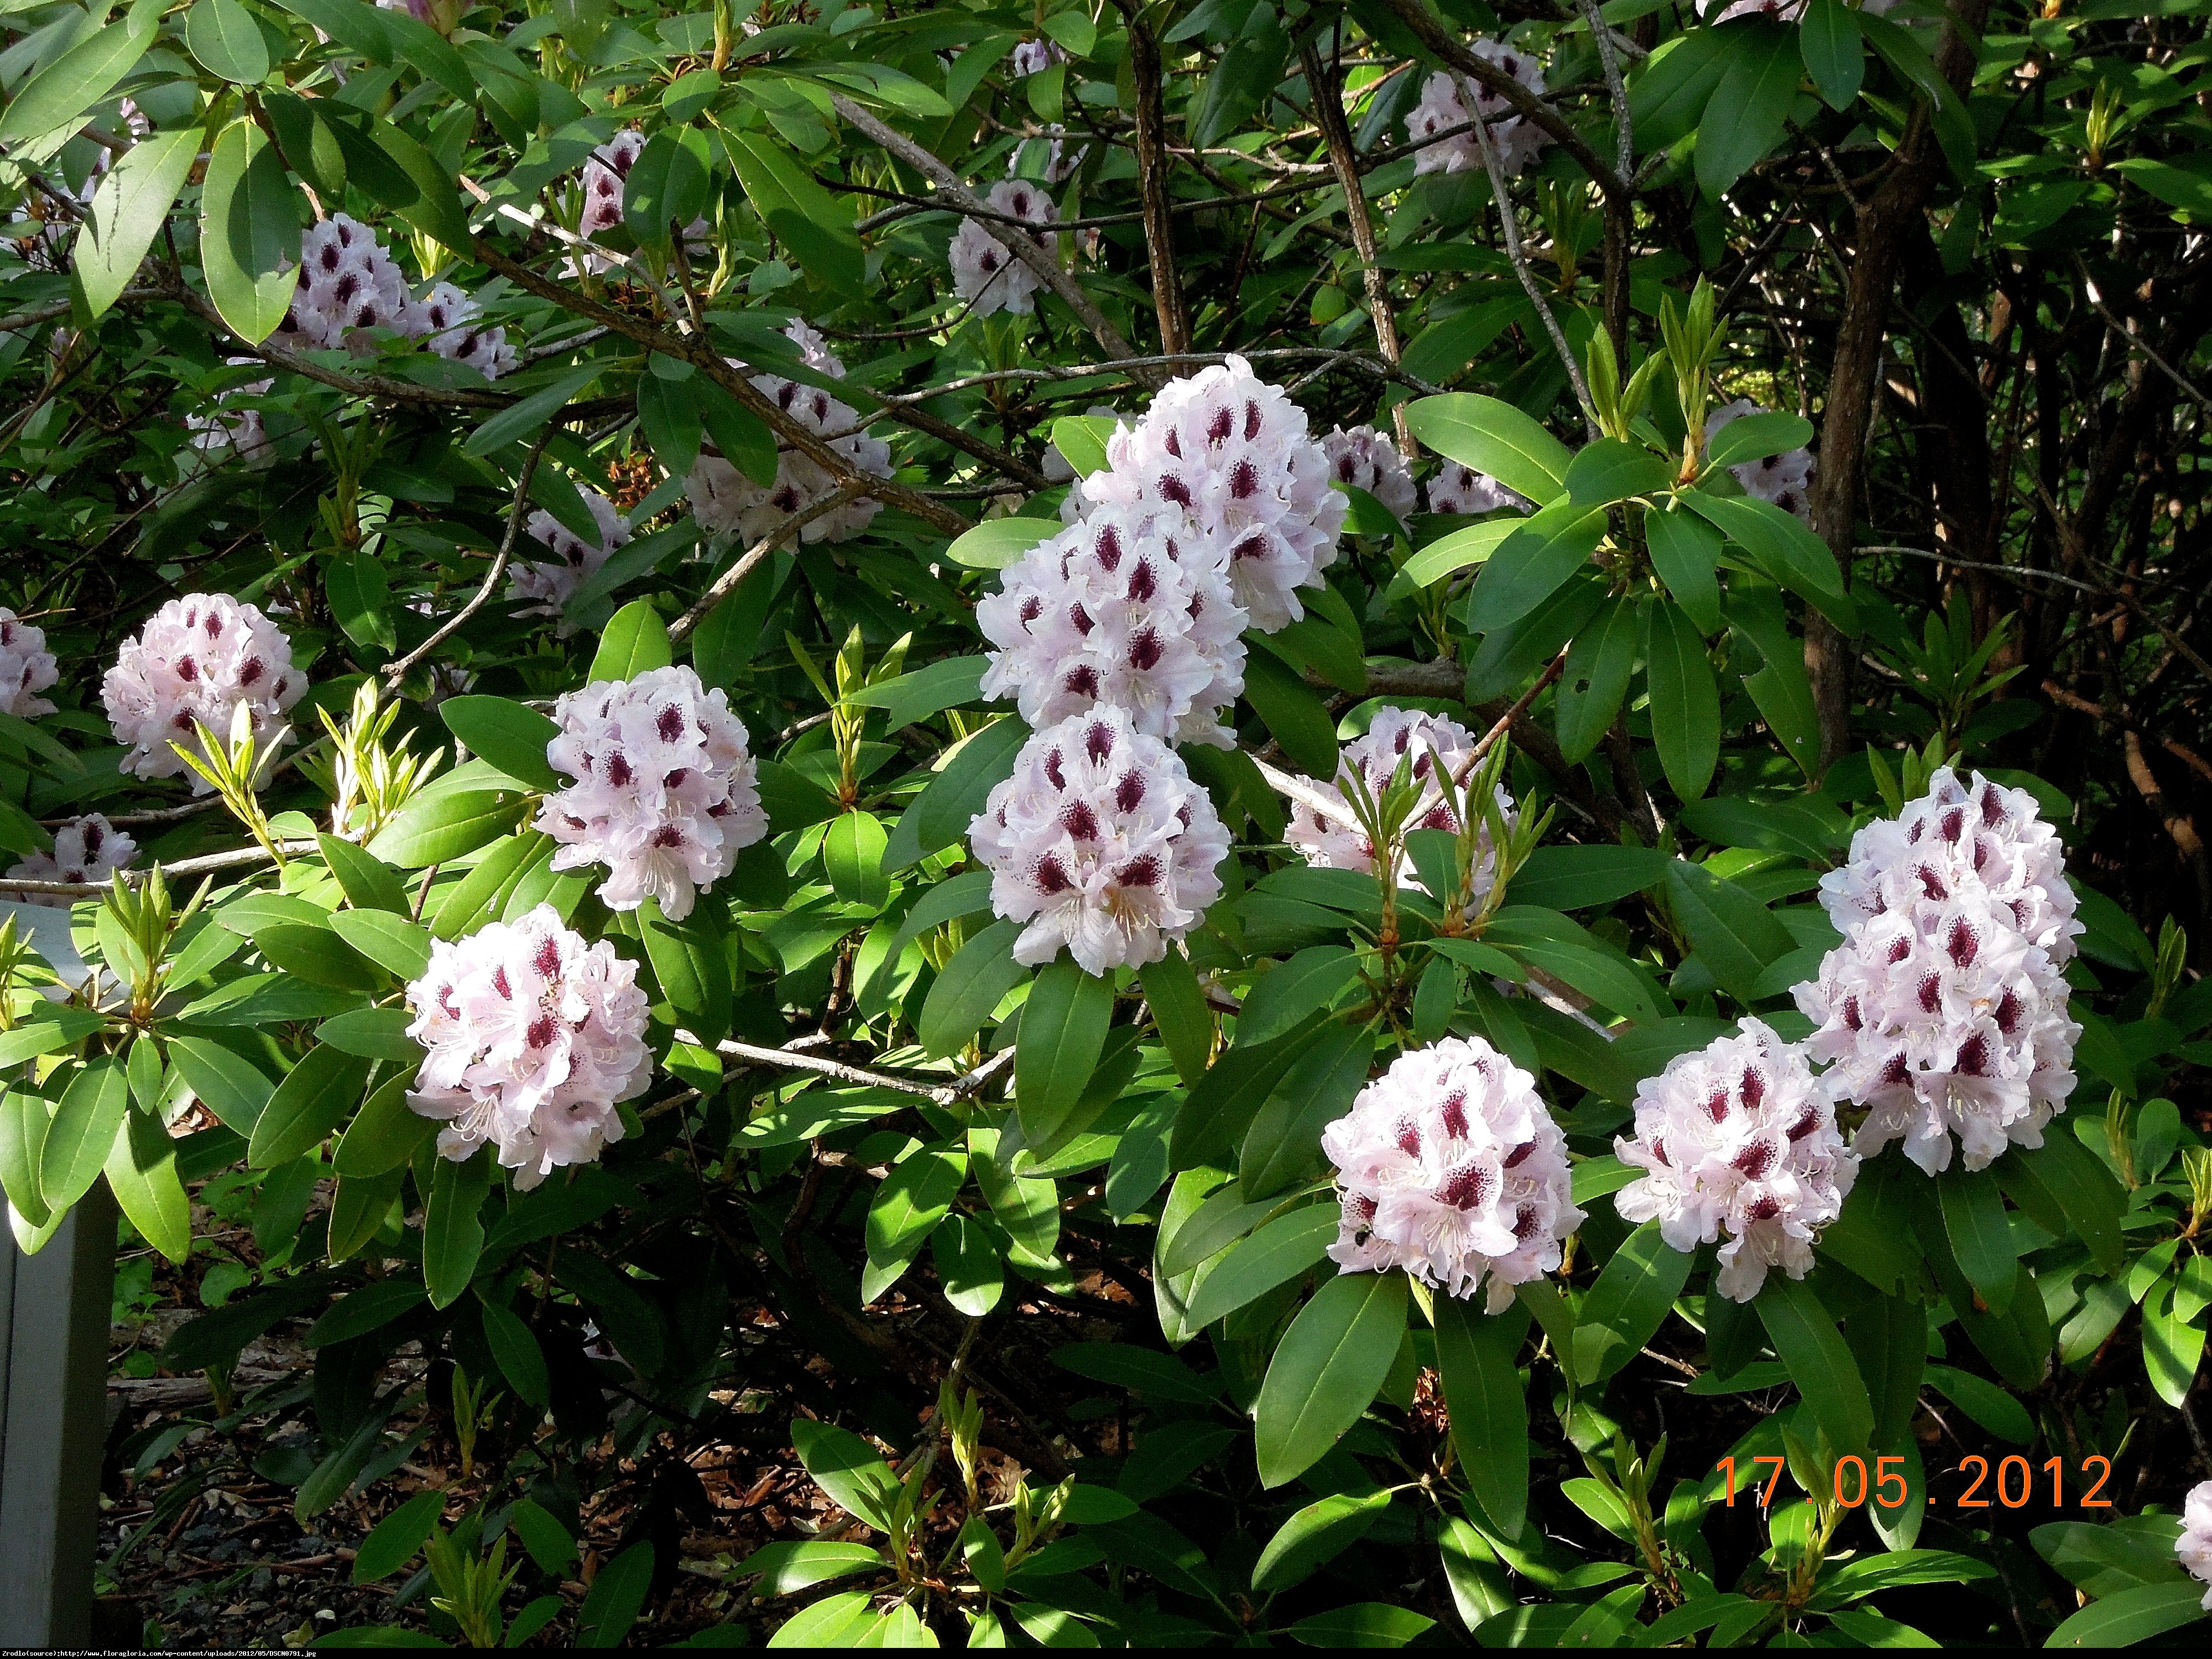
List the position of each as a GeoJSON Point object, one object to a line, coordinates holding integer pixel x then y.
{"type": "Point", "coordinates": [1282, 1148]}
{"type": "Point", "coordinates": [225, 38]}
{"type": "Point", "coordinates": [1222, 1104]}
{"type": "Point", "coordinates": [849, 1469]}
{"type": "Point", "coordinates": [1686, 704]}
{"type": "Point", "coordinates": [1316, 1535]}
{"type": "Point", "coordinates": [128, 210]}
{"type": "Point", "coordinates": [1063, 1032]}
{"type": "Point", "coordinates": [313, 1100]}
{"type": "Point", "coordinates": [1326, 1370]}
{"type": "Point", "coordinates": [852, 856]}
{"type": "Point", "coordinates": [453, 1225]}
{"type": "Point", "coordinates": [395, 1540]}
{"type": "Point", "coordinates": [1686, 551]}
{"type": "Point", "coordinates": [141, 1172]}
{"type": "Point", "coordinates": [514, 1346]}
{"type": "Point", "coordinates": [1179, 1012]}
{"type": "Point", "coordinates": [1476, 1355]}
{"type": "Point", "coordinates": [1818, 1361]}
{"type": "Point", "coordinates": [369, 883]}
{"type": "Point", "coordinates": [371, 1308]}
{"type": "Point", "coordinates": [1608, 470]}
{"type": "Point", "coordinates": [249, 232]}
{"type": "Point", "coordinates": [228, 1084]}
{"type": "Point", "coordinates": [942, 811]}
{"type": "Point", "coordinates": [510, 736]}
{"type": "Point", "coordinates": [1269, 1256]}
{"type": "Point", "coordinates": [1975, 1221]}
{"type": "Point", "coordinates": [1734, 934]}
{"type": "Point", "coordinates": [971, 986]}
{"type": "Point", "coordinates": [1533, 564]}
{"type": "Point", "coordinates": [398, 946]}
{"type": "Point", "coordinates": [1294, 712]}
{"type": "Point", "coordinates": [1596, 679]}
{"type": "Point", "coordinates": [1492, 436]}
{"type": "Point", "coordinates": [82, 1131]}
{"type": "Point", "coordinates": [1751, 103]}
{"type": "Point", "coordinates": [1624, 1308]}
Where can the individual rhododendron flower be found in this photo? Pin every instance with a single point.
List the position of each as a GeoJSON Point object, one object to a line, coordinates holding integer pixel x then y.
{"type": "Point", "coordinates": [27, 667]}
{"type": "Point", "coordinates": [1942, 1019]}
{"type": "Point", "coordinates": [553, 582]}
{"type": "Point", "coordinates": [531, 1036]}
{"type": "Point", "coordinates": [2194, 1547]}
{"type": "Point", "coordinates": [88, 849]}
{"type": "Point", "coordinates": [1738, 1138]}
{"type": "Point", "coordinates": [665, 792]}
{"type": "Point", "coordinates": [1420, 739]}
{"type": "Point", "coordinates": [221, 427]}
{"type": "Point", "coordinates": [1128, 608]}
{"type": "Point", "coordinates": [1099, 841]}
{"type": "Point", "coordinates": [1450, 1166]}
{"type": "Point", "coordinates": [723, 499]}
{"type": "Point", "coordinates": [1785, 479]}
{"type": "Point", "coordinates": [447, 318]}
{"type": "Point", "coordinates": [813, 349]}
{"type": "Point", "coordinates": [1233, 453]}
{"type": "Point", "coordinates": [347, 282]}
{"type": "Point", "coordinates": [1366, 460]}
{"type": "Point", "coordinates": [198, 660]}
{"type": "Point", "coordinates": [605, 182]}
{"type": "Point", "coordinates": [1035, 56]}
{"type": "Point", "coordinates": [1462, 490]}
{"type": "Point", "coordinates": [1518, 140]}
{"type": "Point", "coordinates": [1059, 163]}
{"type": "Point", "coordinates": [1960, 836]}
{"type": "Point", "coordinates": [984, 271]}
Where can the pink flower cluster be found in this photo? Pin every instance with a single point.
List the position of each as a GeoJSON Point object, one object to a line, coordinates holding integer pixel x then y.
{"type": "Point", "coordinates": [552, 583]}
{"type": "Point", "coordinates": [1738, 1138]}
{"type": "Point", "coordinates": [227, 429]}
{"type": "Point", "coordinates": [1232, 455]}
{"type": "Point", "coordinates": [1943, 1012]}
{"type": "Point", "coordinates": [1450, 1166]}
{"type": "Point", "coordinates": [1518, 140]}
{"type": "Point", "coordinates": [723, 499]}
{"type": "Point", "coordinates": [2194, 1545]}
{"type": "Point", "coordinates": [531, 1036]}
{"type": "Point", "coordinates": [88, 849]}
{"type": "Point", "coordinates": [1785, 479]}
{"type": "Point", "coordinates": [1099, 841]}
{"type": "Point", "coordinates": [27, 667]}
{"type": "Point", "coordinates": [197, 661]}
{"type": "Point", "coordinates": [665, 792]}
{"type": "Point", "coordinates": [985, 272]}
{"type": "Point", "coordinates": [1396, 734]}
{"type": "Point", "coordinates": [606, 181]}
{"type": "Point", "coordinates": [1365, 459]}
{"type": "Point", "coordinates": [1461, 489]}
{"type": "Point", "coordinates": [348, 284]}
{"type": "Point", "coordinates": [1127, 608]}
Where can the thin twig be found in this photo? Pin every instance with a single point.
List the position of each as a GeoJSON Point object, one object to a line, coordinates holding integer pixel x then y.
{"type": "Point", "coordinates": [206, 863]}
{"type": "Point", "coordinates": [726, 584]}
{"type": "Point", "coordinates": [397, 671]}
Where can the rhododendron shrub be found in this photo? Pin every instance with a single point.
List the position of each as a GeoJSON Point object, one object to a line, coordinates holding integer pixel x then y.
{"type": "Point", "coordinates": [1332, 824]}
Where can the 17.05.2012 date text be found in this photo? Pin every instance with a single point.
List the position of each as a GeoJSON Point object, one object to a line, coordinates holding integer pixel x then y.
{"type": "Point", "coordinates": [2012, 1481]}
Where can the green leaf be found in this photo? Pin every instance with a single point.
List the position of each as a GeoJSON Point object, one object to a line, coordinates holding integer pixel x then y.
{"type": "Point", "coordinates": [633, 639]}
{"type": "Point", "coordinates": [228, 1084]}
{"type": "Point", "coordinates": [510, 736]}
{"type": "Point", "coordinates": [514, 1346]}
{"type": "Point", "coordinates": [849, 1469]}
{"type": "Point", "coordinates": [1141, 1370]}
{"type": "Point", "coordinates": [804, 216]}
{"type": "Point", "coordinates": [141, 1172]}
{"type": "Point", "coordinates": [524, 419]}
{"type": "Point", "coordinates": [1607, 471]}
{"type": "Point", "coordinates": [65, 89]}
{"type": "Point", "coordinates": [1056, 1049]}
{"type": "Point", "coordinates": [83, 1130]}
{"type": "Point", "coordinates": [384, 1135]}
{"type": "Point", "coordinates": [249, 232]}
{"type": "Point", "coordinates": [1590, 688]}
{"type": "Point", "coordinates": [1533, 564]}
{"type": "Point", "coordinates": [691, 961]}
{"type": "Point", "coordinates": [225, 38]}
{"type": "Point", "coordinates": [949, 682]}
{"type": "Point", "coordinates": [784, 1568]}
{"type": "Point", "coordinates": [1326, 1370]}
{"type": "Point", "coordinates": [317, 956]}
{"type": "Point", "coordinates": [1313, 979]}
{"type": "Point", "coordinates": [2132, 1616]}
{"type": "Point", "coordinates": [394, 1540]}
{"type": "Point", "coordinates": [453, 1225]}
{"type": "Point", "coordinates": [942, 812]}
{"type": "Point", "coordinates": [1221, 1104]}
{"type": "Point", "coordinates": [1362, 1625]}
{"type": "Point", "coordinates": [2091, 1198]}
{"type": "Point", "coordinates": [436, 827]}
{"type": "Point", "coordinates": [371, 1308]}
{"type": "Point", "coordinates": [1081, 441]}
{"type": "Point", "coordinates": [396, 945]}
{"type": "Point", "coordinates": [1686, 704]}
{"type": "Point", "coordinates": [1779, 542]}
{"type": "Point", "coordinates": [1316, 1535]}
{"type": "Point", "coordinates": [1818, 1361]}
{"type": "Point", "coordinates": [1293, 711]}
{"type": "Point", "coordinates": [1475, 1355]}
{"type": "Point", "coordinates": [852, 854]}
{"type": "Point", "coordinates": [1834, 53]}
{"type": "Point", "coordinates": [1492, 437]}
{"type": "Point", "coordinates": [1273, 1254]}
{"type": "Point", "coordinates": [616, 1597]}
{"type": "Point", "coordinates": [667, 186]}
{"type": "Point", "coordinates": [23, 1125]}
{"type": "Point", "coordinates": [369, 883]}
{"type": "Point", "coordinates": [1686, 551]}
{"type": "Point", "coordinates": [311, 1101]}
{"type": "Point", "coordinates": [839, 1621]}
{"type": "Point", "coordinates": [1981, 1235]}
{"type": "Point", "coordinates": [967, 1270]}
{"type": "Point", "coordinates": [1179, 1012]}
{"type": "Point", "coordinates": [1628, 1305]}
{"type": "Point", "coordinates": [1734, 934]}
{"type": "Point", "coordinates": [1987, 1404]}
{"type": "Point", "coordinates": [1282, 1149]}
{"type": "Point", "coordinates": [969, 988]}
{"type": "Point", "coordinates": [128, 210]}
{"type": "Point", "coordinates": [46, 1029]}
{"type": "Point", "coordinates": [1567, 878]}
{"type": "Point", "coordinates": [373, 1034]}
{"type": "Point", "coordinates": [913, 1197]}
{"type": "Point", "coordinates": [1754, 437]}
{"type": "Point", "coordinates": [1749, 107]}
{"type": "Point", "coordinates": [480, 895]}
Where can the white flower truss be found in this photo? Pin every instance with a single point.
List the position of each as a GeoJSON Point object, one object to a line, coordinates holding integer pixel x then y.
{"type": "Point", "coordinates": [1127, 608]}
{"type": "Point", "coordinates": [448, 319]}
{"type": "Point", "coordinates": [1942, 1019]}
{"type": "Point", "coordinates": [665, 792]}
{"type": "Point", "coordinates": [606, 181]}
{"type": "Point", "coordinates": [1462, 490]}
{"type": "Point", "coordinates": [531, 1037]}
{"type": "Point", "coordinates": [347, 282]}
{"type": "Point", "coordinates": [1977, 836]}
{"type": "Point", "coordinates": [223, 428]}
{"type": "Point", "coordinates": [1367, 460]}
{"type": "Point", "coordinates": [984, 271]}
{"type": "Point", "coordinates": [552, 583]}
{"type": "Point", "coordinates": [2194, 1547]}
{"type": "Point", "coordinates": [1396, 734]}
{"type": "Point", "coordinates": [1232, 452]}
{"type": "Point", "coordinates": [1738, 1138]}
{"type": "Point", "coordinates": [1035, 56]}
{"type": "Point", "coordinates": [1518, 140]}
{"type": "Point", "coordinates": [88, 849]}
{"type": "Point", "coordinates": [1099, 841]}
{"type": "Point", "coordinates": [197, 661]}
{"type": "Point", "coordinates": [27, 667]}
{"type": "Point", "coordinates": [1785, 479]}
{"type": "Point", "coordinates": [1450, 1166]}
{"type": "Point", "coordinates": [723, 499]}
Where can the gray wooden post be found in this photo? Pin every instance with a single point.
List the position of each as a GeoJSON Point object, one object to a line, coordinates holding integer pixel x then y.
{"type": "Point", "coordinates": [54, 1309]}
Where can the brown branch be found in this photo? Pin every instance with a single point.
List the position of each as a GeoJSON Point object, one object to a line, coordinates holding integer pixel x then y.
{"type": "Point", "coordinates": [445, 630]}
{"type": "Point", "coordinates": [1153, 180]}
{"type": "Point", "coordinates": [726, 584]}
